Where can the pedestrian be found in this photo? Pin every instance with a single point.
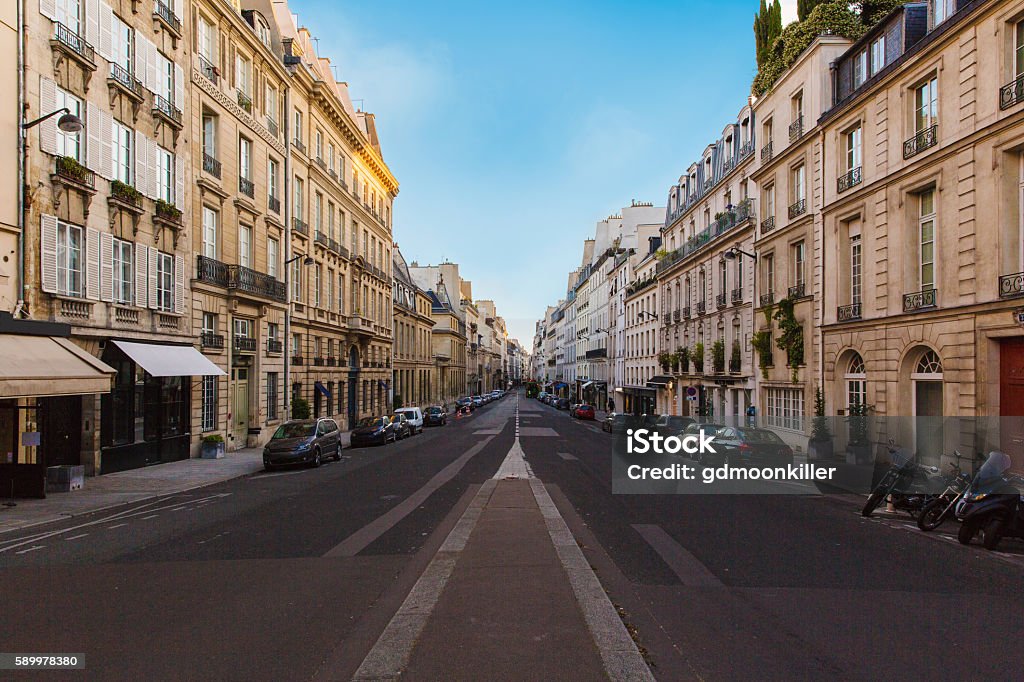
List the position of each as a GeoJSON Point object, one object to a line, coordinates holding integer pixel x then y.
{"type": "Point", "coordinates": [611, 405]}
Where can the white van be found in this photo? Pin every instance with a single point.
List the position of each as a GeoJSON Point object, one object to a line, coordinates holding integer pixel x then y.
{"type": "Point", "coordinates": [414, 415]}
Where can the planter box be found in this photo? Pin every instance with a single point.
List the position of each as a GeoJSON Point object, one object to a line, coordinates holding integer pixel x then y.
{"type": "Point", "coordinates": [211, 451]}
{"type": "Point", "coordinates": [65, 478]}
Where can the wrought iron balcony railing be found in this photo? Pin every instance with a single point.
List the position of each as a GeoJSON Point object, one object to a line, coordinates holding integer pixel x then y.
{"type": "Point", "coordinates": [212, 271]}
{"type": "Point", "coordinates": [796, 129]}
{"type": "Point", "coordinates": [848, 180]}
{"type": "Point", "coordinates": [274, 346]}
{"type": "Point", "coordinates": [74, 42]}
{"type": "Point", "coordinates": [297, 360]}
{"type": "Point", "coordinates": [162, 106]}
{"type": "Point", "coordinates": [272, 127]}
{"type": "Point", "coordinates": [273, 203]}
{"type": "Point", "coordinates": [737, 295]}
{"type": "Point", "coordinates": [207, 68]}
{"type": "Point", "coordinates": [920, 300]}
{"type": "Point", "coordinates": [120, 75]}
{"type": "Point", "coordinates": [702, 308]}
{"type": "Point", "coordinates": [798, 290]}
{"type": "Point", "coordinates": [211, 165]}
{"type": "Point", "coordinates": [67, 168]}
{"type": "Point", "coordinates": [1012, 93]}
{"type": "Point", "coordinates": [676, 315]}
{"type": "Point", "coordinates": [166, 15]}
{"type": "Point", "coordinates": [211, 340]}
{"type": "Point", "coordinates": [720, 300]}
{"type": "Point", "coordinates": [926, 138]}
{"type": "Point", "coordinates": [1011, 286]}
{"type": "Point", "coordinates": [245, 101]}
{"type": "Point", "coordinates": [797, 209]}
{"type": "Point", "coordinates": [245, 343]}
{"type": "Point", "coordinates": [768, 224]}
{"type": "Point", "coordinates": [300, 226]}
{"type": "Point", "coordinates": [299, 144]}
{"type": "Point", "coordinates": [766, 152]}
{"type": "Point", "coordinates": [686, 312]}
{"type": "Point", "coordinates": [239, 277]}
{"type": "Point", "coordinates": [322, 239]}
{"type": "Point", "coordinates": [767, 298]}
{"type": "Point", "coordinates": [246, 187]}
{"type": "Point", "coordinates": [845, 313]}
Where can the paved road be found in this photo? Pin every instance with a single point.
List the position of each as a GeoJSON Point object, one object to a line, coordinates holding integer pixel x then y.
{"type": "Point", "coordinates": [294, 575]}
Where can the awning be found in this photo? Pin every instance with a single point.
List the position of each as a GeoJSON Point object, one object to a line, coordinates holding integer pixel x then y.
{"type": "Point", "coordinates": [659, 381]}
{"type": "Point", "coordinates": [39, 366]}
{"type": "Point", "coordinates": [586, 384]}
{"type": "Point", "coordinates": [322, 389]}
{"type": "Point", "coordinates": [169, 361]}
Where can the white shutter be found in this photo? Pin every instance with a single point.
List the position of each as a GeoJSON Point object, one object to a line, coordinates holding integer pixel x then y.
{"type": "Point", "coordinates": [92, 22]}
{"type": "Point", "coordinates": [93, 145]}
{"type": "Point", "coordinates": [144, 49]}
{"type": "Point", "coordinates": [152, 67]}
{"type": "Point", "coordinates": [106, 32]}
{"type": "Point", "coordinates": [153, 254]}
{"type": "Point", "coordinates": [141, 275]}
{"type": "Point", "coordinates": [179, 182]}
{"type": "Point", "coordinates": [106, 266]}
{"type": "Point", "coordinates": [154, 167]}
{"type": "Point", "coordinates": [48, 8]}
{"type": "Point", "coordinates": [179, 87]}
{"type": "Point", "coordinates": [47, 103]}
{"type": "Point", "coordinates": [48, 253]}
{"type": "Point", "coordinates": [106, 144]}
{"type": "Point", "coordinates": [92, 264]}
{"type": "Point", "coordinates": [177, 9]}
{"type": "Point", "coordinates": [179, 284]}
{"type": "Point", "coordinates": [142, 170]}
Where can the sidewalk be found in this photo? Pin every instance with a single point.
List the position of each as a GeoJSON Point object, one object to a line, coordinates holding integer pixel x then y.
{"type": "Point", "coordinates": [123, 487]}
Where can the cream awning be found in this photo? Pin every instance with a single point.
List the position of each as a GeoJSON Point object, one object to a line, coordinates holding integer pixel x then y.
{"type": "Point", "coordinates": [169, 361]}
{"type": "Point", "coordinates": [40, 366]}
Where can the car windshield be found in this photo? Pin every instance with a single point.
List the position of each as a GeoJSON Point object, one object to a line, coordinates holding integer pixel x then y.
{"type": "Point", "coordinates": [368, 421]}
{"type": "Point", "coordinates": [294, 430]}
{"type": "Point", "coordinates": [433, 410]}
{"type": "Point", "coordinates": [760, 436]}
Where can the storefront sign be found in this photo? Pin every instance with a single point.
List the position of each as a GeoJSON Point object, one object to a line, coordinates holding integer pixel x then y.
{"type": "Point", "coordinates": [31, 439]}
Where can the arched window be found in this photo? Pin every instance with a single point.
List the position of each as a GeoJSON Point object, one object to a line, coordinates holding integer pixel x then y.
{"type": "Point", "coordinates": [856, 383]}
{"type": "Point", "coordinates": [929, 367]}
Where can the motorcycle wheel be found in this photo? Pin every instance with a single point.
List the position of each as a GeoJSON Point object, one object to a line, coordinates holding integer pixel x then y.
{"type": "Point", "coordinates": [873, 501]}
{"type": "Point", "coordinates": [992, 533]}
{"type": "Point", "coordinates": [933, 514]}
{"type": "Point", "coordinates": [966, 532]}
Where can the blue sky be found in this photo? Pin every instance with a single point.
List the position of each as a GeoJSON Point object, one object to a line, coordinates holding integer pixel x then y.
{"type": "Point", "coordinates": [513, 128]}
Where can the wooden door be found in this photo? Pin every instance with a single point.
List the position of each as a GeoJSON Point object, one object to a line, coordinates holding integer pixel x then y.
{"type": "Point", "coordinates": [1011, 399]}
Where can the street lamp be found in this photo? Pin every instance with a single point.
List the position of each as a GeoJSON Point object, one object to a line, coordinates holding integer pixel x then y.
{"type": "Point", "coordinates": [287, 388]}
{"type": "Point", "coordinates": [69, 123]}
{"type": "Point", "coordinates": [733, 252]}
{"type": "Point", "coordinates": [644, 312]}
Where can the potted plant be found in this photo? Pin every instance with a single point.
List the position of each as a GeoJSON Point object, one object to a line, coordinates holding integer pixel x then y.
{"type": "Point", "coordinates": [718, 356]}
{"type": "Point", "coordinates": [212, 446]}
{"type": "Point", "coordinates": [684, 359]}
{"type": "Point", "coordinates": [820, 446]}
{"type": "Point", "coordinates": [663, 360]}
{"type": "Point", "coordinates": [735, 361]}
{"type": "Point", "coordinates": [300, 408]}
{"type": "Point", "coordinates": [70, 166]}
{"type": "Point", "coordinates": [674, 360]}
{"type": "Point", "coordinates": [697, 356]}
{"type": "Point", "coordinates": [167, 210]}
{"type": "Point", "coordinates": [860, 443]}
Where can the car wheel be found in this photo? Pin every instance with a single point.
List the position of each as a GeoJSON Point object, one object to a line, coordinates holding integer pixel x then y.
{"type": "Point", "coordinates": [317, 461]}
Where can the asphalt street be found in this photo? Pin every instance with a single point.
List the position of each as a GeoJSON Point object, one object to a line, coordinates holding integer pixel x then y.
{"type": "Point", "coordinates": [294, 574]}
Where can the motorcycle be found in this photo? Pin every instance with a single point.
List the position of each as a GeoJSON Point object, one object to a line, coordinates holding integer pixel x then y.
{"type": "Point", "coordinates": [907, 484]}
{"type": "Point", "coordinates": [992, 505]}
{"type": "Point", "coordinates": [936, 511]}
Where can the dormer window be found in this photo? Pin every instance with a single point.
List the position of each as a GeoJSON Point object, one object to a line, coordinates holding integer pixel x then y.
{"type": "Point", "coordinates": [941, 10]}
{"type": "Point", "coordinates": [860, 68]}
{"type": "Point", "coordinates": [263, 31]}
{"type": "Point", "coordinates": [877, 54]}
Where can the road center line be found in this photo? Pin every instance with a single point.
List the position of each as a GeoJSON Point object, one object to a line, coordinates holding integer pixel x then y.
{"type": "Point", "coordinates": [120, 525]}
{"type": "Point", "coordinates": [75, 537]}
{"type": "Point", "coordinates": [30, 549]}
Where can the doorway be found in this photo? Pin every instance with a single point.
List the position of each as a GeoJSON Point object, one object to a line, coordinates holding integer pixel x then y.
{"type": "Point", "coordinates": [1011, 398]}
{"type": "Point", "coordinates": [61, 432]}
{"type": "Point", "coordinates": [240, 406]}
{"type": "Point", "coordinates": [927, 382]}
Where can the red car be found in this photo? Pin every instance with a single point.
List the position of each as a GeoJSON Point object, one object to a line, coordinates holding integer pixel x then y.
{"type": "Point", "coordinates": [584, 412]}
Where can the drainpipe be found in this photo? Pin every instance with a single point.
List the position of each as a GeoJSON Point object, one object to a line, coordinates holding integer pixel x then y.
{"type": "Point", "coordinates": [286, 194]}
{"type": "Point", "coordinates": [22, 157]}
{"type": "Point", "coordinates": [821, 272]}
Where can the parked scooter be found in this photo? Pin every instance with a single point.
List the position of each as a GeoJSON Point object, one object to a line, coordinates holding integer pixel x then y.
{"type": "Point", "coordinates": [944, 506]}
{"type": "Point", "coordinates": [992, 505]}
{"type": "Point", "coordinates": [907, 484]}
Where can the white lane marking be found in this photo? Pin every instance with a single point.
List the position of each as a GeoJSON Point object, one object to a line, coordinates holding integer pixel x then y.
{"type": "Point", "coordinates": [30, 549]}
{"type": "Point", "coordinates": [75, 537]}
{"type": "Point", "coordinates": [566, 456]}
{"type": "Point", "coordinates": [147, 518]}
{"type": "Point", "coordinates": [690, 570]}
{"type": "Point", "coordinates": [120, 525]}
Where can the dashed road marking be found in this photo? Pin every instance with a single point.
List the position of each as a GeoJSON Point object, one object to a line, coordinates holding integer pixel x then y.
{"type": "Point", "coordinates": [75, 537]}
{"type": "Point", "coordinates": [30, 549]}
{"type": "Point", "coordinates": [120, 525]}
{"type": "Point", "coordinates": [151, 516]}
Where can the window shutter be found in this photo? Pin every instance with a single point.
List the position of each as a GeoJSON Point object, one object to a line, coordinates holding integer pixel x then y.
{"type": "Point", "coordinates": [142, 169]}
{"type": "Point", "coordinates": [154, 167]}
{"type": "Point", "coordinates": [48, 8]}
{"type": "Point", "coordinates": [179, 87]}
{"type": "Point", "coordinates": [153, 255]}
{"type": "Point", "coordinates": [92, 22]}
{"type": "Point", "coordinates": [106, 32]}
{"type": "Point", "coordinates": [179, 284]}
{"type": "Point", "coordinates": [141, 274]}
{"type": "Point", "coordinates": [93, 145]}
{"type": "Point", "coordinates": [47, 103]}
{"type": "Point", "coordinates": [150, 74]}
{"type": "Point", "coordinates": [179, 182]}
{"type": "Point", "coordinates": [92, 264]}
{"type": "Point", "coordinates": [106, 144]}
{"type": "Point", "coordinates": [48, 253]}
{"type": "Point", "coordinates": [106, 266]}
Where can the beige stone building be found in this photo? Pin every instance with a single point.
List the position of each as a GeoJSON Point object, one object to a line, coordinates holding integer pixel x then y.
{"type": "Point", "coordinates": [413, 324]}
{"type": "Point", "coordinates": [10, 206]}
{"type": "Point", "coordinates": [449, 335]}
{"type": "Point", "coordinates": [640, 337]}
{"type": "Point", "coordinates": [923, 180]}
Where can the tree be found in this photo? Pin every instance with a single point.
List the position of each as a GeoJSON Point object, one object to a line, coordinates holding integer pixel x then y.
{"type": "Point", "coordinates": [873, 11]}
{"type": "Point", "coordinates": [767, 27]}
{"type": "Point", "coordinates": [804, 7]}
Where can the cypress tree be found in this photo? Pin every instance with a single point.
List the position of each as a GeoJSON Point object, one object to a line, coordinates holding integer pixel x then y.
{"type": "Point", "coordinates": [804, 7]}
{"type": "Point", "coordinates": [767, 27]}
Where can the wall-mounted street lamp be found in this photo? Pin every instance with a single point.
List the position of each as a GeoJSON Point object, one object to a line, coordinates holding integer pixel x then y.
{"type": "Point", "coordinates": [640, 314]}
{"type": "Point", "coordinates": [735, 252]}
{"type": "Point", "coordinates": [68, 123]}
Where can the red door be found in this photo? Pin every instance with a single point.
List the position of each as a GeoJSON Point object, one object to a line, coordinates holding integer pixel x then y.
{"type": "Point", "coordinates": [1011, 398]}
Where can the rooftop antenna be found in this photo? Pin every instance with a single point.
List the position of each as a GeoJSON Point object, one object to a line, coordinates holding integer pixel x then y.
{"type": "Point", "coordinates": [334, 68]}
{"type": "Point", "coordinates": [360, 106]}
{"type": "Point", "coordinates": [317, 41]}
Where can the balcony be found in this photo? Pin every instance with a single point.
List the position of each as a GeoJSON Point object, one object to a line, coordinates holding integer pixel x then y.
{"type": "Point", "coordinates": [297, 360]}
{"type": "Point", "coordinates": [246, 187]}
{"type": "Point", "coordinates": [211, 165]}
{"type": "Point", "coordinates": [274, 347]}
{"type": "Point", "coordinates": [318, 362]}
{"type": "Point", "coordinates": [850, 179]}
{"type": "Point", "coordinates": [272, 127]}
{"type": "Point", "coordinates": [675, 315]}
{"type": "Point", "coordinates": [120, 78]}
{"type": "Point", "coordinates": [240, 278]}
{"type": "Point", "coordinates": [322, 240]}
{"type": "Point", "coordinates": [595, 353]}
{"type": "Point", "coordinates": [69, 170]}
{"type": "Point", "coordinates": [245, 101]}
{"type": "Point", "coordinates": [298, 144]}
{"type": "Point", "coordinates": [686, 312]}
{"type": "Point", "coordinates": [126, 195]}
{"type": "Point", "coordinates": [166, 16]}
{"type": "Point", "coordinates": [920, 300]}
{"type": "Point", "coordinates": [766, 152]}
{"type": "Point", "coordinates": [796, 129]}
{"type": "Point", "coordinates": [737, 296]}
{"type": "Point", "coordinates": [720, 300]}
{"type": "Point", "coordinates": [207, 68]}
{"type": "Point", "coordinates": [747, 149]}
{"type": "Point", "coordinates": [163, 108]}
{"type": "Point", "coordinates": [211, 271]}
{"type": "Point", "coordinates": [211, 340]}
{"type": "Point", "coordinates": [245, 344]}
{"type": "Point", "coordinates": [274, 204]}
{"type": "Point", "coordinates": [74, 45]}
{"type": "Point", "coordinates": [768, 224]}
{"type": "Point", "coordinates": [702, 308]}
{"type": "Point", "coordinates": [299, 226]}
{"type": "Point", "coordinates": [1012, 93]}
{"type": "Point", "coordinates": [797, 209]}
{"type": "Point", "coordinates": [845, 313]}
{"type": "Point", "coordinates": [928, 137]}
{"type": "Point", "coordinates": [1011, 286]}
{"type": "Point", "coordinates": [767, 299]}
{"type": "Point", "coordinates": [798, 291]}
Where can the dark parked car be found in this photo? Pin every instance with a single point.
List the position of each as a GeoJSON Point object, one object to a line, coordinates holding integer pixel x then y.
{"type": "Point", "coordinates": [584, 411]}
{"type": "Point", "coordinates": [709, 430]}
{"type": "Point", "coordinates": [618, 422]}
{"type": "Point", "coordinates": [465, 403]}
{"type": "Point", "coordinates": [403, 428]}
{"type": "Point", "coordinates": [373, 431]}
{"type": "Point", "coordinates": [303, 441]}
{"type": "Point", "coordinates": [752, 446]}
{"type": "Point", "coordinates": [435, 415]}
{"type": "Point", "coordinates": [561, 404]}
{"type": "Point", "coordinates": [672, 425]}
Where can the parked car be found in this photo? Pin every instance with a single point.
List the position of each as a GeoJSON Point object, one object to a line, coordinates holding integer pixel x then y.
{"type": "Point", "coordinates": [373, 431]}
{"type": "Point", "coordinates": [435, 415]}
{"type": "Point", "coordinates": [584, 412]}
{"type": "Point", "coordinates": [478, 401]}
{"type": "Point", "coordinates": [754, 446]}
{"type": "Point", "coordinates": [466, 402]}
{"type": "Point", "coordinates": [402, 427]}
{"type": "Point", "coordinates": [618, 422]}
{"type": "Point", "coordinates": [305, 441]}
{"type": "Point", "coordinates": [414, 415]}
{"type": "Point", "coordinates": [561, 403]}
{"type": "Point", "coordinates": [542, 395]}
{"type": "Point", "coordinates": [672, 425]}
{"type": "Point", "coordinates": [709, 429]}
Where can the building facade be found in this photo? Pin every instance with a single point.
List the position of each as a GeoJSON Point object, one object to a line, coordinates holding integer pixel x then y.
{"type": "Point", "coordinates": [413, 327]}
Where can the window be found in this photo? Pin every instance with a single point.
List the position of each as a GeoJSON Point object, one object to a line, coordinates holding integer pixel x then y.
{"type": "Point", "coordinates": [209, 403]}
{"type": "Point", "coordinates": [273, 256]}
{"type": "Point", "coordinates": [210, 136]}
{"type": "Point", "coordinates": [877, 54]}
{"type": "Point", "coordinates": [69, 259]}
{"type": "Point", "coordinates": [1018, 51]}
{"type": "Point", "coordinates": [243, 75]}
{"type": "Point", "coordinates": [69, 13]}
{"type": "Point", "coordinates": [165, 282]}
{"type": "Point", "coordinates": [122, 150]}
{"type": "Point", "coordinates": [856, 382]}
{"type": "Point", "coordinates": [941, 10]}
{"type": "Point", "coordinates": [329, 290]}
{"type": "Point", "coordinates": [245, 246]}
{"type": "Point", "coordinates": [207, 40]}
{"type": "Point", "coordinates": [296, 345]}
{"type": "Point", "coordinates": [243, 328]}
{"type": "Point", "coordinates": [317, 275]}
{"type": "Point", "coordinates": [209, 323]}
{"type": "Point", "coordinates": [270, 103]}
{"type": "Point", "coordinates": [209, 232]}
{"type": "Point", "coordinates": [298, 125]}
{"type": "Point", "coordinates": [860, 68]}
{"type": "Point", "coordinates": [318, 213]}
{"type": "Point", "coordinates": [856, 270]}
{"type": "Point", "coordinates": [853, 148]}
{"type": "Point", "coordinates": [769, 201]}
{"type": "Point", "coordinates": [245, 158]}
{"type": "Point", "coordinates": [797, 184]}
{"type": "Point", "coordinates": [799, 251]}
{"type": "Point", "coordinates": [319, 145]}
{"type": "Point", "coordinates": [769, 273]}
{"type": "Point", "coordinates": [165, 177]}
{"type": "Point", "coordinates": [165, 69]}
{"type": "Point", "coordinates": [786, 408]}
{"type": "Point", "coordinates": [69, 144]}
{"type": "Point", "coordinates": [296, 280]}
{"type": "Point", "coordinates": [926, 105]}
{"type": "Point", "coordinates": [330, 219]}
{"type": "Point", "coordinates": [330, 155]}
{"type": "Point", "coordinates": [272, 178]}
{"type": "Point", "coordinates": [341, 293]}
{"type": "Point", "coordinates": [298, 198]}
{"type": "Point", "coordinates": [123, 42]}
{"type": "Point", "coordinates": [271, 395]}
{"type": "Point", "coordinates": [926, 235]}
{"type": "Point", "coordinates": [122, 272]}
